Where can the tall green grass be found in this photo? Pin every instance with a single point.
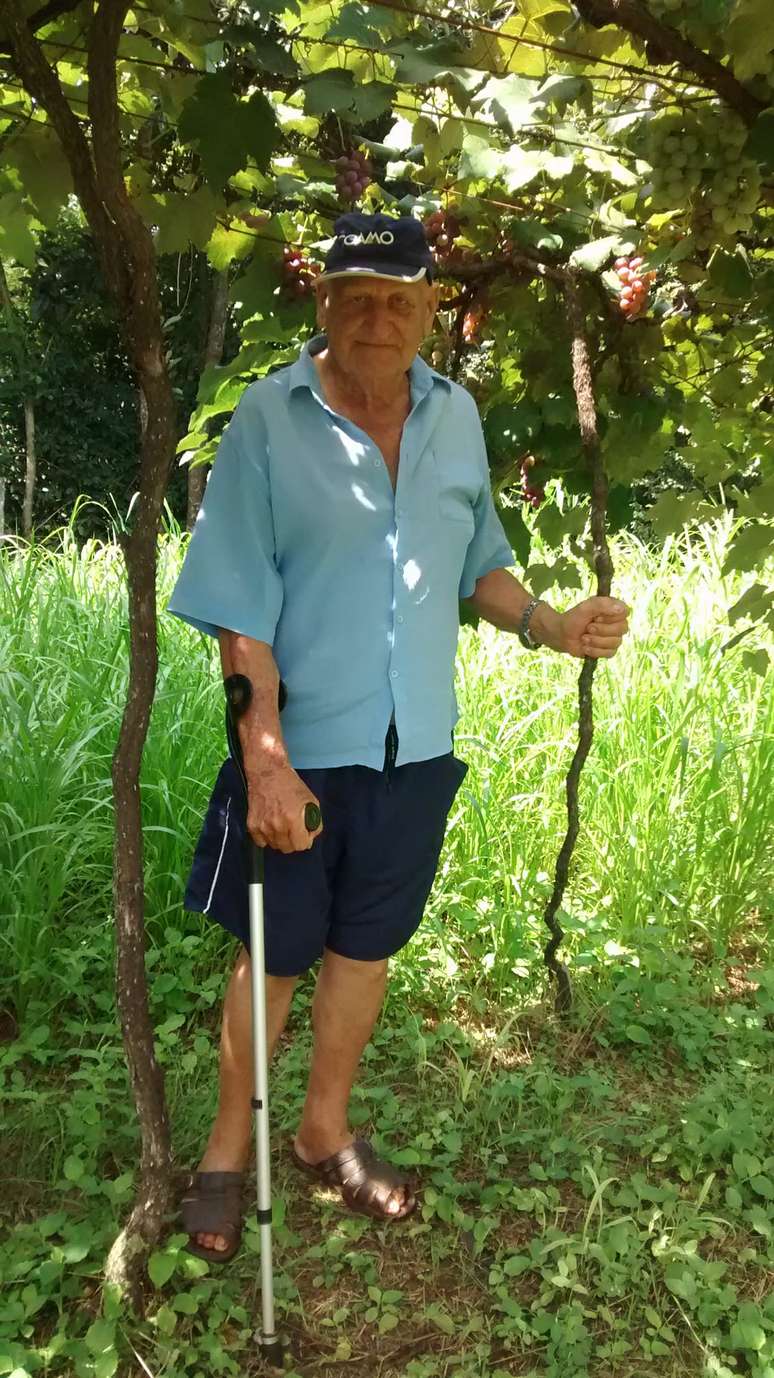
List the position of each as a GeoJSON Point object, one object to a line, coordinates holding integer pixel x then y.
{"type": "Point", "coordinates": [677, 835]}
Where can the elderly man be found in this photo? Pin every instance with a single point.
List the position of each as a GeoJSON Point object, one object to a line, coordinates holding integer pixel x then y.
{"type": "Point", "coordinates": [348, 511]}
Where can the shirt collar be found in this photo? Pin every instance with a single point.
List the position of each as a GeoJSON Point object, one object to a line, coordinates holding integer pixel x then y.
{"type": "Point", "coordinates": [303, 373]}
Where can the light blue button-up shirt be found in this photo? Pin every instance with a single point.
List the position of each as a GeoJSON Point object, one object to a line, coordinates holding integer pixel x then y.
{"type": "Point", "coordinates": [302, 543]}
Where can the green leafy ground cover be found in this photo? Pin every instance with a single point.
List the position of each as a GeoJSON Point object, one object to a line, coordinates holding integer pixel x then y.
{"type": "Point", "coordinates": [598, 1197]}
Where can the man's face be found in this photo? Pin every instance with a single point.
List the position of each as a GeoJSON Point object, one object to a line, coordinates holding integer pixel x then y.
{"type": "Point", "coordinates": [373, 324]}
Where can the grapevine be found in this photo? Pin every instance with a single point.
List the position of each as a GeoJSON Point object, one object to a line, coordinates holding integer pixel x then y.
{"type": "Point", "coordinates": [353, 175]}
{"type": "Point", "coordinates": [533, 495]}
{"type": "Point", "coordinates": [442, 228]}
{"type": "Point", "coordinates": [678, 157]}
{"type": "Point", "coordinates": [298, 274]}
{"type": "Point", "coordinates": [472, 322]}
{"type": "Point", "coordinates": [698, 163]}
{"type": "Point", "coordinates": [635, 285]}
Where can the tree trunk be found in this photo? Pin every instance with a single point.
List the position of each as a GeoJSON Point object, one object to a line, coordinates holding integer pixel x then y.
{"type": "Point", "coordinates": [213, 353]}
{"type": "Point", "coordinates": [31, 466]}
{"type": "Point", "coordinates": [153, 1197]}
{"type": "Point", "coordinates": [127, 258]}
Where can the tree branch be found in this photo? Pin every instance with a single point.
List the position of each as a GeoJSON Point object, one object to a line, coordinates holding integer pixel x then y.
{"type": "Point", "coordinates": [43, 16]}
{"type": "Point", "coordinates": [636, 19]}
{"type": "Point", "coordinates": [42, 83]}
{"type": "Point", "coordinates": [582, 379]}
{"type": "Point", "coordinates": [142, 304]}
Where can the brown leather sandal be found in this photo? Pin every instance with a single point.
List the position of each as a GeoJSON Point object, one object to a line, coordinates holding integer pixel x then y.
{"type": "Point", "coordinates": [366, 1182]}
{"type": "Point", "coordinates": [213, 1205]}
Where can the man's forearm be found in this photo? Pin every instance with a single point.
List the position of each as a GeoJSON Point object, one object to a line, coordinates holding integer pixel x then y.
{"type": "Point", "coordinates": [501, 600]}
{"type": "Point", "coordinates": [259, 729]}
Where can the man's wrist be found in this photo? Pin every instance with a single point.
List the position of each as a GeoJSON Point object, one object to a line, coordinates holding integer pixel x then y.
{"type": "Point", "coordinates": [545, 626]}
{"type": "Point", "coordinates": [263, 747]}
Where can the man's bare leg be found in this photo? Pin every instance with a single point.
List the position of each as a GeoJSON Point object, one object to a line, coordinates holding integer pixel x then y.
{"type": "Point", "coordinates": [347, 1001]}
{"type": "Point", "coordinates": [228, 1147]}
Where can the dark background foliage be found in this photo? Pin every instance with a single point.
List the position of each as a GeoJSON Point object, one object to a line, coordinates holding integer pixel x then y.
{"type": "Point", "coordinates": [67, 355]}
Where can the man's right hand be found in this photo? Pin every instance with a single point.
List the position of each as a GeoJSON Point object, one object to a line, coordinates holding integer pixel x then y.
{"type": "Point", "coordinates": [277, 797]}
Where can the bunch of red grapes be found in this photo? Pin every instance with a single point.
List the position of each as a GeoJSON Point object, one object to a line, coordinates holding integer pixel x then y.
{"type": "Point", "coordinates": [442, 228]}
{"type": "Point", "coordinates": [353, 175]}
{"type": "Point", "coordinates": [472, 322]}
{"type": "Point", "coordinates": [298, 274]}
{"type": "Point", "coordinates": [533, 495]}
{"type": "Point", "coordinates": [635, 285]}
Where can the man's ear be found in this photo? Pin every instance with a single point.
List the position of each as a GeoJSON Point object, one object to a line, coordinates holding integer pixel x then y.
{"type": "Point", "coordinates": [321, 294]}
{"type": "Point", "coordinates": [432, 304]}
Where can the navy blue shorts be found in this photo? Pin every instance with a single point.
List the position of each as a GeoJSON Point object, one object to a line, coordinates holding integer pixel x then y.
{"type": "Point", "coordinates": [361, 889]}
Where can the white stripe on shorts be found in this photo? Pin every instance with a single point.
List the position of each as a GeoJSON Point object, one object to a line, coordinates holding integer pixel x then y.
{"type": "Point", "coordinates": [220, 858]}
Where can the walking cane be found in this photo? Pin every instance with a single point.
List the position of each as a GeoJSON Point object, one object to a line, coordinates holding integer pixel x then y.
{"type": "Point", "coordinates": [238, 694]}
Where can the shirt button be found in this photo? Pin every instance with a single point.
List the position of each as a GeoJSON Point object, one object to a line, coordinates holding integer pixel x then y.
{"type": "Point", "coordinates": [400, 617]}
{"type": "Point", "coordinates": [393, 674]}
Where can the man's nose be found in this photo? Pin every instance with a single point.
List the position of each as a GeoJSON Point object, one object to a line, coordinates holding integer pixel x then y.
{"type": "Point", "coordinates": [378, 315]}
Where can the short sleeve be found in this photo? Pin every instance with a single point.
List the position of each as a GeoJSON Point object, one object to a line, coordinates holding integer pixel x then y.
{"type": "Point", "coordinates": [229, 576]}
{"type": "Point", "coordinates": [489, 549]}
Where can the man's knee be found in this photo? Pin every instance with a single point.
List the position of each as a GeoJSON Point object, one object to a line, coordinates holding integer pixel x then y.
{"type": "Point", "coordinates": [276, 986]}
{"type": "Point", "coordinates": [355, 969]}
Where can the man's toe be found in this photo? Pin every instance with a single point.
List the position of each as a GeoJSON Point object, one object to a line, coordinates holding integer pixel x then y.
{"type": "Point", "coordinates": [400, 1201]}
{"type": "Point", "coordinates": [212, 1241]}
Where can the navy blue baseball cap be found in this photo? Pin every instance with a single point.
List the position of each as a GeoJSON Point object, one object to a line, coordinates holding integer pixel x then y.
{"type": "Point", "coordinates": [379, 246]}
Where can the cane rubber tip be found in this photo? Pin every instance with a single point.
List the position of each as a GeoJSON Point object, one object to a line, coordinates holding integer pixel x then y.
{"type": "Point", "coordinates": [273, 1352]}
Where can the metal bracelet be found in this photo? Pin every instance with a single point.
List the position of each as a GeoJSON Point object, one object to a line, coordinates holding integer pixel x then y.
{"type": "Point", "coordinates": [525, 636]}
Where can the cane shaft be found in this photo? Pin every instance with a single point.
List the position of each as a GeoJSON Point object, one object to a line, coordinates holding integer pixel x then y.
{"type": "Point", "coordinates": [261, 1097]}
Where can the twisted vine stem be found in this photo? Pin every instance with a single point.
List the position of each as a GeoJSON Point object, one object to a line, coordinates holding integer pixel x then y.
{"type": "Point", "coordinates": [583, 385]}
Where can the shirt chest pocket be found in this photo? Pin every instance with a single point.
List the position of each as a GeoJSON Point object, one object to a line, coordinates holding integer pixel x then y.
{"type": "Point", "coordinates": [456, 493]}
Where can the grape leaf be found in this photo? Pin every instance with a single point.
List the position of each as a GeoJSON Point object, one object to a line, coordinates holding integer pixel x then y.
{"type": "Point", "coordinates": [757, 661]}
{"type": "Point", "coordinates": [516, 533]}
{"type": "Point", "coordinates": [357, 23]}
{"type": "Point", "coordinates": [672, 511]}
{"type": "Point", "coordinates": [511, 100]}
{"type": "Point", "coordinates": [479, 160]}
{"type": "Point", "coordinates": [373, 99]}
{"type": "Point", "coordinates": [44, 171]}
{"type": "Point", "coordinates": [561, 90]}
{"type": "Point", "coordinates": [754, 602]}
{"type": "Point", "coordinates": [265, 52]}
{"type": "Point", "coordinates": [730, 274]}
{"type": "Point", "coordinates": [226, 131]}
{"type": "Point", "coordinates": [16, 238]}
{"type": "Point", "coordinates": [591, 256]}
{"type": "Point", "coordinates": [424, 66]}
{"type": "Point", "coordinates": [522, 166]}
{"type": "Point", "coordinates": [229, 242]}
{"type": "Point", "coordinates": [332, 90]}
{"type": "Point", "coordinates": [749, 547]}
{"type": "Point", "coordinates": [760, 142]}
